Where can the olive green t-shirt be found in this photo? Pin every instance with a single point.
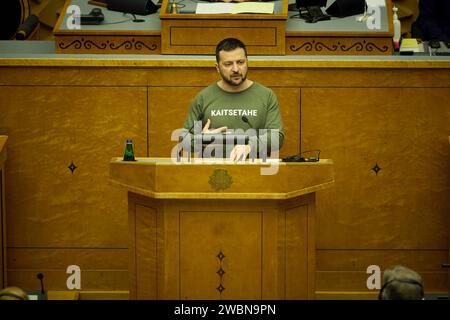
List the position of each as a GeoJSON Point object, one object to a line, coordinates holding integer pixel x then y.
{"type": "Point", "coordinates": [258, 104]}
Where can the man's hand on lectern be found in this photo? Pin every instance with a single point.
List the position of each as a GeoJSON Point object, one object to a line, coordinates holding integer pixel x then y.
{"type": "Point", "coordinates": [240, 152]}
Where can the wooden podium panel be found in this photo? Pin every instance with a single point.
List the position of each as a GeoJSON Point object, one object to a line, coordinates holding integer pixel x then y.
{"type": "Point", "coordinates": [160, 178]}
{"type": "Point", "coordinates": [190, 33]}
{"type": "Point", "coordinates": [202, 36]}
{"type": "Point", "coordinates": [229, 268]}
{"type": "Point", "coordinates": [252, 238]}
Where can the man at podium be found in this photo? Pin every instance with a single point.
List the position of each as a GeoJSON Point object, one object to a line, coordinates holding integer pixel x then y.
{"type": "Point", "coordinates": [235, 103]}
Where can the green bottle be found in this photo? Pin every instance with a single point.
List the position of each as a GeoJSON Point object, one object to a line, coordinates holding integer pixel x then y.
{"type": "Point", "coordinates": [129, 153]}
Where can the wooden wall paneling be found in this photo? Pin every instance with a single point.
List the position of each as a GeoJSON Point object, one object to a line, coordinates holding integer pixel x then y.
{"type": "Point", "coordinates": [95, 76]}
{"type": "Point", "coordinates": [59, 126]}
{"type": "Point", "coordinates": [289, 100]}
{"type": "Point", "coordinates": [360, 259]}
{"type": "Point", "coordinates": [184, 77]}
{"type": "Point", "coordinates": [101, 295]}
{"type": "Point", "coordinates": [346, 295]}
{"type": "Point", "coordinates": [395, 129]}
{"type": "Point", "coordinates": [345, 270]}
{"type": "Point", "coordinates": [168, 107]}
{"type": "Point", "coordinates": [356, 114]}
{"type": "Point", "coordinates": [51, 207]}
{"type": "Point", "coordinates": [351, 77]}
{"type": "Point", "coordinates": [109, 280]}
{"type": "Point", "coordinates": [101, 268]}
{"type": "Point", "coordinates": [355, 281]}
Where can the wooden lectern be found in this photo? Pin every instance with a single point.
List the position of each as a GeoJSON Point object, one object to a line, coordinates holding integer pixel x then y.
{"type": "Point", "coordinates": [221, 230]}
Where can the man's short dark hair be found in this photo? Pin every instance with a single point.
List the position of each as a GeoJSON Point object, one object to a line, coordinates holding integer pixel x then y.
{"type": "Point", "coordinates": [229, 44]}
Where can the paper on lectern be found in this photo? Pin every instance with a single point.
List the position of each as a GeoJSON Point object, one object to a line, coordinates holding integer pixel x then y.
{"type": "Point", "coordinates": [235, 8]}
{"type": "Point", "coordinates": [376, 3]}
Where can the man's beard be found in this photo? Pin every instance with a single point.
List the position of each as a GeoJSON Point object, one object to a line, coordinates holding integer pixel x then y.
{"type": "Point", "coordinates": [231, 82]}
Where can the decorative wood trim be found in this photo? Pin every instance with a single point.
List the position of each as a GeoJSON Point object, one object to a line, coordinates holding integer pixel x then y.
{"type": "Point", "coordinates": [338, 46]}
{"type": "Point", "coordinates": [269, 62]}
{"type": "Point", "coordinates": [108, 45]}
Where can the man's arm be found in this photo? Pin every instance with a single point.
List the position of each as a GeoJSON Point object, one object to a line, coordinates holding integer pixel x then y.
{"type": "Point", "coordinates": [428, 17]}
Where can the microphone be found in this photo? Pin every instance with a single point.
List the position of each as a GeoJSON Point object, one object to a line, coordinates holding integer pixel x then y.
{"type": "Point", "coordinates": [140, 7]}
{"type": "Point", "coordinates": [264, 155]}
{"type": "Point", "coordinates": [40, 276]}
{"type": "Point", "coordinates": [299, 158]}
{"type": "Point", "coordinates": [28, 27]}
{"type": "Point", "coordinates": [94, 17]}
{"type": "Point", "coordinates": [199, 118]}
{"type": "Point", "coordinates": [245, 119]}
{"type": "Point", "coordinates": [38, 294]}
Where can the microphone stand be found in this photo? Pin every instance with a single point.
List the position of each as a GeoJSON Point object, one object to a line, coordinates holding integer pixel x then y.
{"type": "Point", "coordinates": [264, 154]}
{"type": "Point", "coordinates": [40, 276]}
